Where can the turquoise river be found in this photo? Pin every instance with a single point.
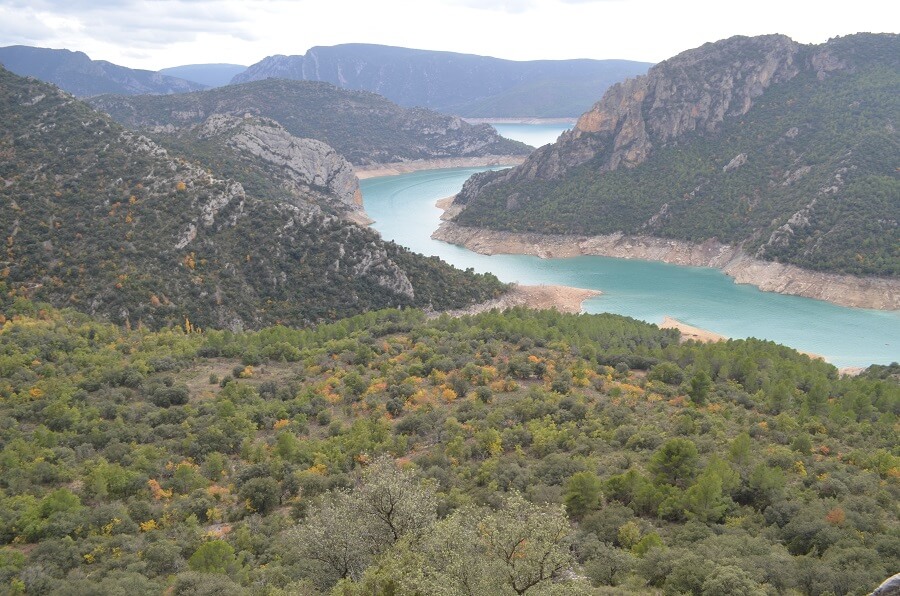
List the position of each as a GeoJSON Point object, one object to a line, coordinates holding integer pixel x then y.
{"type": "Point", "coordinates": [404, 211]}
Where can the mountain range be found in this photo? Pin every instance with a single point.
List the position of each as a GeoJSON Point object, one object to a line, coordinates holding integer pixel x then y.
{"type": "Point", "coordinates": [76, 73]}
{"type": "Point", "coordinates": [462, 84]}
{"type": "Point", "coordinates": [363, 127]}
{"type": "Point", "coordinates": [783, 150]}
{"type": "Point", "coordinates": [452, 83]}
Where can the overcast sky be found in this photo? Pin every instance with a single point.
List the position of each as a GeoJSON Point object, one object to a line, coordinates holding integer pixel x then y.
{"type": "Point", "coordinates": [155, 34]}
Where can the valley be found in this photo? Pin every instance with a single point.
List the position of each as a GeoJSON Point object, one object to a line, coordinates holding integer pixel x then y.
{"type": "Point", "coordinates": [246, 350]}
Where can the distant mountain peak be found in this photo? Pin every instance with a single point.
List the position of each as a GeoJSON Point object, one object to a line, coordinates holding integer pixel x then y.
{"type": "Point", "coordinates": [76, 73]}
{"type": "Point", "coordinates": [450, 82]}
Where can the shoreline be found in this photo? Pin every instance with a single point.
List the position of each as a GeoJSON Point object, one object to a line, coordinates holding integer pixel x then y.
{"type": "Point", "coordinates": [843, 290]}
{"type": "Point", "coordinates": [689, 332]}
{"type": "Point", "coordinates": [406, 167]}
{"type": "Point", "coordinates": [565, 299]}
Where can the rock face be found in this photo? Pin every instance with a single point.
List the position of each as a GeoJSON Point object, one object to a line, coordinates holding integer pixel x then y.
{"type": "Point", "coordinates": [846, 290]}
{"type": "Point", "coordinates": [76, 73]}
{"type": "Point", "coordinates": [473, 86]}
{"type": "Point", "coordinates": [695, 90]}
{"type": "Point", "coordinates": [305, 166]}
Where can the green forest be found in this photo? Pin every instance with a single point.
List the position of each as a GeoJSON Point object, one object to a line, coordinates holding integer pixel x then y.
{"type": "Point", "coordinates": [526, 452]}
{"type": "Point", "coordinates": [817, 187]}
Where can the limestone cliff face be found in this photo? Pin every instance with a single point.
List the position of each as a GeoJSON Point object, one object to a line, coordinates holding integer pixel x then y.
{"type": "Point", "coordinates": [305, 166]}
{"type": "Point", "coordinates": [694, 91]}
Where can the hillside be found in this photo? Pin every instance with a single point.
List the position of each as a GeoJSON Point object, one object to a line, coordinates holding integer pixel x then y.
{"type": "Point", "coordinates": [208, 75]}
{"type": "Point", "coordinates": [539, 453]}
{"type": "Point", "coordinates": [76, 73]}
{"type": "Point", "coordinates": [786, 151]}
{"type": "Point", "coordinates": [462, 84]}
{"type": "Point", "coordinates": [363, 127]}
{"type": "Point", "coordinates": [104, 220]}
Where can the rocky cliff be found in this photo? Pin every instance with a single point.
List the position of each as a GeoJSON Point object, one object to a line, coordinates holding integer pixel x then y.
{"type": "Point", "coordinates": [788, 151]}
{"type": "Point", "coordinates": [304, 171]}
{"type": "Point", "coordinates": [463, 84]}
{"type": "Point", "coordinates": [695, 90]}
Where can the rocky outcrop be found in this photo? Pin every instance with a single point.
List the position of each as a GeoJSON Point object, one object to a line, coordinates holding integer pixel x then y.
{"type": "Point", "coordinates": [304, 165]}
{"type": "Point", "coordinates": [845, 290]}
{"type": "Point", "coordinates": [694, 91]}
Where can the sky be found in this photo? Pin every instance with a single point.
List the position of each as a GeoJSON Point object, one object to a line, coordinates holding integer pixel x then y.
{"type": "Point", "coordinates": [155, 34]}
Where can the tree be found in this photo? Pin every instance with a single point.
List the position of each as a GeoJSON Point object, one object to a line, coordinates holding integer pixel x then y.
{"type": "Point", "coordinates": [393, 503]}
{"type": "Point", "coordinates": [584, 493]}
{"type": "Point", "coordinates": [704, 500]}
{"type": "Point", "coordinates": [732, 580]}
{"type": "Point", "coordinates": [347, 530]}
{"type": "Point", "coordinates": [525, 542]}
{"type": "Point", "coordinates": [215, 556]}
{"type": "Point", "coordinates": [700, 385]}
{"type": "Point", "coordinates": [262, 494]}
{"type": "Point", "coordinates": [675, 462]}
{"type": "Point", "coordinates": [334, 536]}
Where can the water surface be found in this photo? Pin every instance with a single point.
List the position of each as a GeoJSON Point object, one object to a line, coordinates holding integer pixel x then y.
{"type": "Point", "coordinates": [403, 210]}
{"type": "Point", "coordinates": [535, 135]}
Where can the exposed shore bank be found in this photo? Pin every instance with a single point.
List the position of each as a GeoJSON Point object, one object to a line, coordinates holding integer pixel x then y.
{"type": "Point", "coordinates": [689, 332]}
{"type": "Point", "coordinates": [562, 298]}
{"type": "Point", "coordinates": [405, 167]}
{"type": "Point", "coordinates": [844, 290]}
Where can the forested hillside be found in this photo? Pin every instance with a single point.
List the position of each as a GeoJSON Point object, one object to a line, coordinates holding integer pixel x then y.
{"type": "Point", "coordinates": [526, 452]}
{"type": "Point", "coordinates": [106, 221]}
{"type": "Point", "coordinates": [788, 151]}
{"type": "Point", "coordinates": [363, 127]}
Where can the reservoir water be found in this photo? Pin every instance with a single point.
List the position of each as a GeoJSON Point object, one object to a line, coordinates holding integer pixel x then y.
{"type": "Point", "coordinates": [403, 210]}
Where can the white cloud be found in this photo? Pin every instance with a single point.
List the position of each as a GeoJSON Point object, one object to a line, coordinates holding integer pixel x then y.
{"type": "Point", "coordinates": [159, 33]}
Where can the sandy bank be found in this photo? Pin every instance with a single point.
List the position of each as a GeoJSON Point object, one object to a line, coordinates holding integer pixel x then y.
{"type": "Point", "coordinates": [562, 298]}
{"type": "Point", "coordinates": [405, 167]}
{"type": "Point", "coordinates": [845, 290]}
{"type": "Point", "coordinates": [689, 332]}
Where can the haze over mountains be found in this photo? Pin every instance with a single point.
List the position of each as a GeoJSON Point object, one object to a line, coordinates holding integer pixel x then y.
{"type": "Point", "coordinates": [210, 75]}
{"type": "Point", "coordinates": [76, 73]}
{"type": "Point", "coordinates": [463, 84]}
{"type": "Point", "coordinates": [460, 84]}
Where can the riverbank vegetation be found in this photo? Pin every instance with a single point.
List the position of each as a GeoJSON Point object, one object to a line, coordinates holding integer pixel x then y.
{"type": "Point", "coordinates": [525, 452]}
